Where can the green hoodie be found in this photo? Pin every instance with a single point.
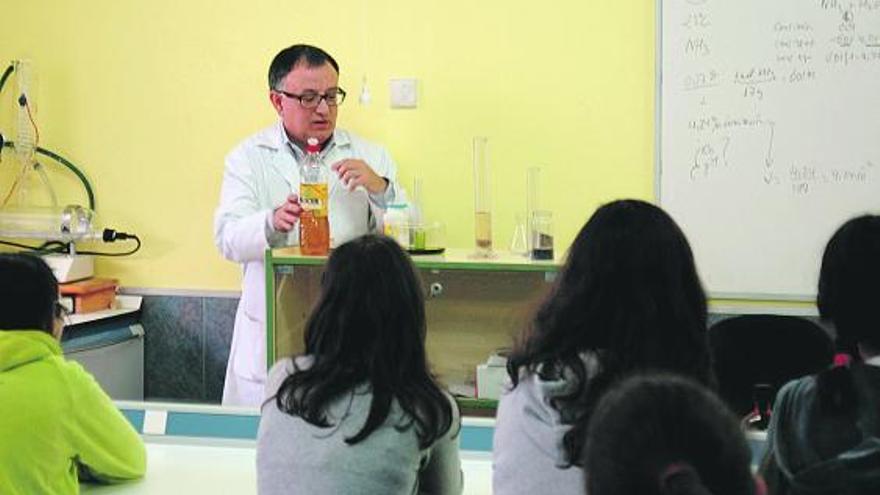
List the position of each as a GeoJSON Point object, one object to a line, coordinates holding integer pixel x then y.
{"type": "Point", "coordinates": [57, 423]}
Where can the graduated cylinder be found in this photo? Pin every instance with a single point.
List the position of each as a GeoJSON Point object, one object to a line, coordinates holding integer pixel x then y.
{"type": "Point", "coordinates": [482, 198]}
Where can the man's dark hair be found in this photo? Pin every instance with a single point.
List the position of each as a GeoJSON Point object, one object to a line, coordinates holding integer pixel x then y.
{"type": "Point", "coordinates": [28, 293]}
{"type": "Point", "coordinates": [294, 55]}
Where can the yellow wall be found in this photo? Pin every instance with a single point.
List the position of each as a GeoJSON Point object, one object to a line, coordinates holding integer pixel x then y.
{"type": "Point", "coordinates": [148, 97]}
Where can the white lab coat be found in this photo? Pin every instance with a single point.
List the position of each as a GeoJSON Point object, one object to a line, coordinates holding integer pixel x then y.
{"type": "Point", "coordinates": [260, 173]}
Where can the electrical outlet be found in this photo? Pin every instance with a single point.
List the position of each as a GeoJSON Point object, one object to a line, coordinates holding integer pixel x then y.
{"type": "Point", "coordinates": [403, 93]}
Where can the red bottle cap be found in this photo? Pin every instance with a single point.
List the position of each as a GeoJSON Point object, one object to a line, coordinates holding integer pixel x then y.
{"type": "Point", "coordinates": [312, 146]}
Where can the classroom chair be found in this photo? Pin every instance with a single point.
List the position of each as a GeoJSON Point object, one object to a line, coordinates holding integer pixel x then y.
{"type": "Point", "coordinates": [754, 355]}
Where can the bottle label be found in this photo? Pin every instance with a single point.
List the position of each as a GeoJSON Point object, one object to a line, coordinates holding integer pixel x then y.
{"type": "Point", "coordinates": [313, 199]}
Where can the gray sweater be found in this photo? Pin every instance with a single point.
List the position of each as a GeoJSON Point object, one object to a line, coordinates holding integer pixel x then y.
{"type": "Point", "coordinates": [527, 453]}
{"type": "Point", "coordinates": [295, 457]}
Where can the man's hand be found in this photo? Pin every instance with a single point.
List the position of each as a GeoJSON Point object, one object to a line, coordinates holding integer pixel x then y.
{"type": "Point", "coordinates": [285, 216]}
{"type": "Point", "coordinates": [353, 173]}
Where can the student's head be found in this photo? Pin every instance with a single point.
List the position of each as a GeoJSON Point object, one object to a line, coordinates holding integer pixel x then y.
{"type": "Point", "coordinates": [849, 288]}
{"type": "Point", "coordinates": [368, 327]}
{"type": "Point", "coordinates": [849, 283]}
{"type": "Point", "coordinates": [665, 434]}
{"type": "Point", "coordinates": [629, 285]}
{"type": "Point", "coordinates": [632, 265]}
{"type": "Point", "coordinates": [370, 315]}
{"type": "Point", "coordinates": [304, 90]}
{"type": "Point", "coordinates": [28, 294]}
{"type": "Point", "coordinates": [628, 295]}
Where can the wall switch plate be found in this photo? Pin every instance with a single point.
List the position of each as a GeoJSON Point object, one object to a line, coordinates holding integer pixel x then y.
{"type": "Point", "coordinates": [404, 93]}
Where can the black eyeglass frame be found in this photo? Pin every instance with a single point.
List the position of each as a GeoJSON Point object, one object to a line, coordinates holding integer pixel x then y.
{"type": "Point", "coordinates": [338, 97]}
{"type": "Point", "coordinates": [61, 311]}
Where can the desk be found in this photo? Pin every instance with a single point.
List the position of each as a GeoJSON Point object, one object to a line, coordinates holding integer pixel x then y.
{"type": "Point", "coordinates": [196, 449]}
{"type": "Point", "coordinates": [196, 467]}
{"type": "Point", "coordinates": [190, 468]}
{"type": "Point", "coordinates": [212, 450]}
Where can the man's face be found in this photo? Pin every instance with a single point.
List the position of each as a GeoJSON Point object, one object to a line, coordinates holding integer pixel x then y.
{"type": "Point", "coordinates": [302, 123]}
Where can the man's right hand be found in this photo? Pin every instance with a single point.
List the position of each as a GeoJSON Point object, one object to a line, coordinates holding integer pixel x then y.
{"type": "Point", "coordinates": [285, 216]}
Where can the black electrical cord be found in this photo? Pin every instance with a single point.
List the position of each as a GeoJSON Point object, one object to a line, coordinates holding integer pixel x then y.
{"type": "Point", "coordinates": [120, 236]}
{"type": "Point", "coordinates": [64, 161]}
{"type": "Point", "coordinates": [49, 247]}
{"type": "Point", "coordinates": [56, 247]}
{"type": "Point", "coordinates": [23, 246]}
{"type": "Point", "coordinates": [5, 75]}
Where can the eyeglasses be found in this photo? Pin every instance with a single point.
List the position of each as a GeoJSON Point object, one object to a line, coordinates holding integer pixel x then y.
{"type": "Point", "coordinates": [61, 311]}
{"type": "Point", "coordinates": [311, 99]}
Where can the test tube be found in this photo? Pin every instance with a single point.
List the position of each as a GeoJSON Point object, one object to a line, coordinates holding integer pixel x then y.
{"type": "Point", "coordinates": [482, 199]}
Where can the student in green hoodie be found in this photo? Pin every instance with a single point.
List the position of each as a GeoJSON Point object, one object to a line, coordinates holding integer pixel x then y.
{"type": "Point", "coordinates": [56, 423]}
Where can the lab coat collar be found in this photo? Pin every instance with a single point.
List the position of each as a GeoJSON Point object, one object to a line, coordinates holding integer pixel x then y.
{"type": "Point", "coordinates": [278, 140]}
{"type": "Point", "coordinates": [275, 138]}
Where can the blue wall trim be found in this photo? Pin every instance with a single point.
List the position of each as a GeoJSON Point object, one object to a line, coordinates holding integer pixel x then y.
{"type": "Point", "coordinates": [135, 417]}
{"type": "Point", "coordinates": [212, 425]}
{"type": "Point", "coordinates": [245, 426]}
{"type": "Point", "coordinates": [476, 438]}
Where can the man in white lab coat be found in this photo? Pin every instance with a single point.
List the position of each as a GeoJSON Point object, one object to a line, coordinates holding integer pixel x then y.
{"type": "Point", "coordinates": [259, 207]}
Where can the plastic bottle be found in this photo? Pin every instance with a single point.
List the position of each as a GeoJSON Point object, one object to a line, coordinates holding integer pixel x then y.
{"type": "Point", "coordinates": [396, 220]}
{"type": "Point", "coordinates": [314, 227]}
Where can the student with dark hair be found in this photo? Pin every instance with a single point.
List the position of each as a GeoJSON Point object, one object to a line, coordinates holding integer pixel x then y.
{"type": "Point", "coordinates": [824, 435]}
{"type": "Point", "coordinates": [360, 412]}
{"type": "Point", "coordinates": [627, 299]}
{"type": "Point", "coordinates": [56, 424]}
{"type": "Point", "coordinates": [259, 207]}
{"type": "Point", "coordinates": [666, 435]}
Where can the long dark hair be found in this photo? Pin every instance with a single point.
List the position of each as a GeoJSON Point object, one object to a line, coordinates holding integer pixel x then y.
{"type": "Point", "coordinates": [849, 289]}
{"type": "Point", "coordinates": [369, 327]}
{"type": "Point", "coordinates": [665, 435]}
{"type": "Point", "coordinates": [629, 295]}
{"type": "Point", "coordinates": [28, 294]}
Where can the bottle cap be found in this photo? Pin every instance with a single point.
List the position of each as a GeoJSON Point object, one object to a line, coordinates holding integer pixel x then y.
{"type": "Point", "coordinates": [312, 145]}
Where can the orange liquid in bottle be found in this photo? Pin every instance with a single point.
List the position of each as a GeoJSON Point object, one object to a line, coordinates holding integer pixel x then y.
{"type": "Point", "coordinates": [314, 228]}
{"type": "Point", "coordinates": [314, 234]}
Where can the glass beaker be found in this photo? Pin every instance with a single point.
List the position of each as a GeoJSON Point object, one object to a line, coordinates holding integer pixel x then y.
{"type": "Point", "coordinates": [533, 186]}
{"type": "Point", "coordinates": [482, 198]}
{"type": "Point", "coordinates": [542, 235]}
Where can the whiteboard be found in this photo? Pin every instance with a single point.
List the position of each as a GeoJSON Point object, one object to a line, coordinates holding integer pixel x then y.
{"type": "Point", "coordinates": [769, 134]}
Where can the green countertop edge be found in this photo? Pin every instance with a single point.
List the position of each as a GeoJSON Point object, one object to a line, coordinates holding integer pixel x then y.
{"type": "Point", "coordinates": [429, 264]}
{"type": "Point", "coordinates": [474, 403]}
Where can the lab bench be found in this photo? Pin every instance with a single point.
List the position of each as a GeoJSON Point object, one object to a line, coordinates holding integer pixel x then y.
{"type": "Point", "coordinates": [473, 307]}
